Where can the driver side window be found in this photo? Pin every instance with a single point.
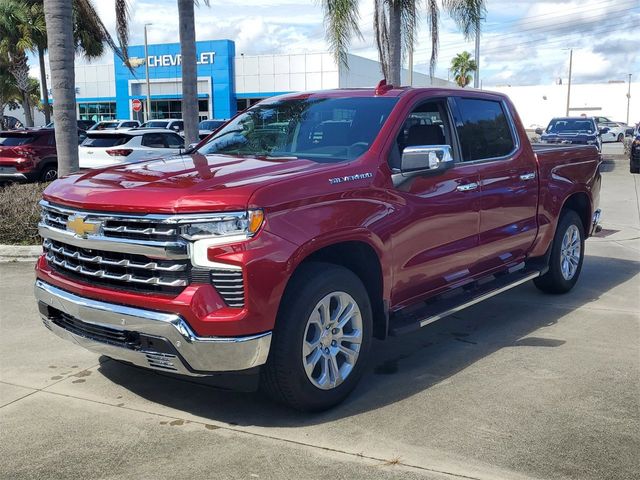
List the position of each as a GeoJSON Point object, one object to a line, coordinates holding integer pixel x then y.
{"type": "Point", "coordinates": [428, 124]}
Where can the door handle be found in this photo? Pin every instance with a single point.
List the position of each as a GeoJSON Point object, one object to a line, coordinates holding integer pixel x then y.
{"type": "Point", "coordinates": [528, 176]}
{"type": "Point", "coordinates": [467, 187]}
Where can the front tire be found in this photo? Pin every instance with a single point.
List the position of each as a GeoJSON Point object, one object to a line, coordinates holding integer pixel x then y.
{"type": "Point", "coordinates": [322, 339]}
{"type": "Point", "coordinates": [567, 255]}
{"type": "Point", "coordinates": [621, 137]}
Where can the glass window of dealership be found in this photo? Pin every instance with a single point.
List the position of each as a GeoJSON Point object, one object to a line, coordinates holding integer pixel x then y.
{"type": "Point", "coordinates": [227, 82]}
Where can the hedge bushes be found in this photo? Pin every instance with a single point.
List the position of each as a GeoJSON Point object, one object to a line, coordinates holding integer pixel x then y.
{"type": "Point", "coordinates": [19, 213]}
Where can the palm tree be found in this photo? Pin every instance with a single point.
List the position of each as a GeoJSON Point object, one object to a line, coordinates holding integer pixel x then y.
{"type": "Point", "coordinates": [15, 40]}
{"type": "Point", "coordinates": [187, 29]}
{"type": "Point", "coordinates": [462, 65]}
{"type": "Point", "coordinates": [59, 16]}
{"type": "Point", "coordinates": [395, 24]}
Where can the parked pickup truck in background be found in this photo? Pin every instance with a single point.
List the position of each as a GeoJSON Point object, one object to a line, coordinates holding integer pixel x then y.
{"type": "Point", "coordinates": [307, 225]}
{"type": "Point", "coordinates": [573, 131]}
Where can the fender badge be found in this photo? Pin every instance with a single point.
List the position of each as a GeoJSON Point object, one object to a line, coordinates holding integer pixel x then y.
{"type": "Point", "coordinates": [350, 178]}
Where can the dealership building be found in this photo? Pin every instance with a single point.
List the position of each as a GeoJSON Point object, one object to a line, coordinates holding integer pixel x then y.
{"type": "Point", "coordinates": [227, 81]}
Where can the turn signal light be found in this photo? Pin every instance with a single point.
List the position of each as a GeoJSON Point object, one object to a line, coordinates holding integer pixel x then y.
{"type": "Point", "coordinates": [119, 152]}
{"type": "Point", "coordinates": [256, 217]}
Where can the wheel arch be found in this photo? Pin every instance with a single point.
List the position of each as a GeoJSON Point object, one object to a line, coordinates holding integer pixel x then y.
{"type": "Point", "coordinates": [364, 260]}
{"type": "Point", "coordinates": [580, 202]}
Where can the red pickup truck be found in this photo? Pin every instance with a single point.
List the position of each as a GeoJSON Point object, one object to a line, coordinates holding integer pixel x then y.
{"type": "Point", "coordinates": [307, 225]}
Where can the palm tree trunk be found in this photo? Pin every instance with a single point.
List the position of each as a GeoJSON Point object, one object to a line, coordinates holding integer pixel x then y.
{"type": "Point", "coordinates": [28, 113]}
{"type": "Point", "coordinates": [189, 76]}
{"type": "Point", "coordinates": [59, 18]}
{"type": "Point", "coordinates": [45, 88]}
{"type": "Point", "coordinates": [395, 42]}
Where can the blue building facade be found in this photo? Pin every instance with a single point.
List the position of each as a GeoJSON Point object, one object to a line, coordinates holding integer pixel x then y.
{"type": "Point", "coordinates": [215, 71]}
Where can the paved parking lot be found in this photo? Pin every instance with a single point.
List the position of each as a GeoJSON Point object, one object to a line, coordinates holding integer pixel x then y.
{"type": "Point", "coordinates": [522, 386]}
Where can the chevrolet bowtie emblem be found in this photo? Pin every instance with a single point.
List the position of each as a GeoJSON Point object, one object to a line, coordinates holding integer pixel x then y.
{"type": "Point", "coordinates": [81, 228]}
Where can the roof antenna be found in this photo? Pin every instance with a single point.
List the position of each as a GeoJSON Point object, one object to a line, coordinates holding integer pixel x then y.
{"type": "Point", "coordinates": [383, 87]}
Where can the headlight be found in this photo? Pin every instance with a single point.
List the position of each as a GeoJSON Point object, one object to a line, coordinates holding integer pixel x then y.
{"type": "Point", "coordinates": [219, 229]}
{"type": "Point", "coordinates": [224, 225]}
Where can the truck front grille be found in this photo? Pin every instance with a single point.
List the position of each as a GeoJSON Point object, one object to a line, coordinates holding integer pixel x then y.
{"type": "Point", "coordinates": [130, 227]}
{"type": "Point", "coordinates": [141, 253]}
{"type": "Point", "coordinates": [133, 272]}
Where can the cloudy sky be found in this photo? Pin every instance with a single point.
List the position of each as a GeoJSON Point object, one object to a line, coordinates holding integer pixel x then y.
{"type": "Point", "coordinates": [523, 42]}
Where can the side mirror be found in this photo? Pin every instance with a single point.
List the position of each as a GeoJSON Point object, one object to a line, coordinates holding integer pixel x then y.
{"type": "Point", "coordinates": [424, 159]}
{"type": "Point", "coordinates": [603, 130]}
{"type": "Point", "coordinates": [192, 146]}
{"type": "Point", "coordinates": [539, 131]}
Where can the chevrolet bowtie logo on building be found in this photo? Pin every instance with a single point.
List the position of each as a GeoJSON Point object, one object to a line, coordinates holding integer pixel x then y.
{"type": "Point", "coordinates": [82, 227]}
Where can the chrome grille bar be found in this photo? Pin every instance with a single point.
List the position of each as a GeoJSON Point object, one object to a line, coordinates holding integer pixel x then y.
{"type": "Point", "coordinates": [127, 277]}
{"type": "Point", "coordinates": [125, 263]}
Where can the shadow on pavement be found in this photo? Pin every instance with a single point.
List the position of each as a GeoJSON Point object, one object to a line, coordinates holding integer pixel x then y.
{"type": "Point", "coordinates": [399, 367]}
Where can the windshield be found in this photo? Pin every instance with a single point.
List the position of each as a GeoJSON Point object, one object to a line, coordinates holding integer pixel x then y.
{"type": "Point", "coordinates": [16, 140]}
{"type": "Point", "coordinates": [570, 125]}
{"type": "Point", "coordinates": [155, 124]}
{"type": "Point", "coordinates": [105, 140]}
{"type": "Point", "coordinates": [319, 129]}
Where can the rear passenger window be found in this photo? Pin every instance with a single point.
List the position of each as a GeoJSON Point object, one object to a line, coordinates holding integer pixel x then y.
{"type": "Point", "coordinates": [483, 129]}
{"type": "Point", "coordinates": [153, 140]}
{"type": "Point", "coordinates": [173, 140]}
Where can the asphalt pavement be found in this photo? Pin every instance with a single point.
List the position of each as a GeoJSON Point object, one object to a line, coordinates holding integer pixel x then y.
{"type": "Point", "coordinates": [523, 386]}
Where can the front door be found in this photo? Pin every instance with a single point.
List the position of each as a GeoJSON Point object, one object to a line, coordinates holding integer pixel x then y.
{"type": "Point", "coordinates": [436, 230]}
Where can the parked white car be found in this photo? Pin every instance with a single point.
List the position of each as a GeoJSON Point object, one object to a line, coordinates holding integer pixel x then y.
{"type": "Point", "coordinates": [616, 130]}
{"type": "Point", "coordinates": [207, 127]}
{"type": "Point", "coordinates": [175, 124]}
{"type": "Point", "coordinates": [115, 125]}
{"type": "Point", "coordinates": [104, 149]}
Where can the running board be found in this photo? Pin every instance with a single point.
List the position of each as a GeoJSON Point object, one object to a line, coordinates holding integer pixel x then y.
{"type": "Point", "coordinates": [409, 321]}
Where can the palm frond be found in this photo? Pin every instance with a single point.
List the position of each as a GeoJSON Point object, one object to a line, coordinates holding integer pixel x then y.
{"type": "Point", "coordinates": [122, 28]}
{"type": "Point", "coordinates": [433, 18]}
{"type": "Point", "coordinates": [467, 14]}
{"type": "Point", "coordinates": [381, 29]}
{"type": "Point", "coordinates": [410, 20]}
{"type": "Point", "coordinates": [341, 22]}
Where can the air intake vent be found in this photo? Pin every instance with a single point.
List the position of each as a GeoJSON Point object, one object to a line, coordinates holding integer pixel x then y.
{"type": "Point", "coordinates": [230, 285]}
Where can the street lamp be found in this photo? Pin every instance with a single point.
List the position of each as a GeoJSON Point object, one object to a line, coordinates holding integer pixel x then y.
{"type": "Point", "coordinates": [146, 68]}
{"type": "Point", "coordinates": [569, 87]}
{"type": "Point", "coordinates": [628, 98]}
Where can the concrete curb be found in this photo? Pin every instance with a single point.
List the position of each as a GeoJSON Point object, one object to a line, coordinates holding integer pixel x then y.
{"type": "Point", "coordinates": [19, 253]}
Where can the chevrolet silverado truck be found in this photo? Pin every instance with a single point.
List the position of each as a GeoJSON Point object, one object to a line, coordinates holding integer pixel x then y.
{"type": "Point", "coordinates": [309, 224]}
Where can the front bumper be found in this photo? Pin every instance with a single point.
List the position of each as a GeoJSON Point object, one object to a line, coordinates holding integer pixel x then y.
{"type": "Point", "coordinates": [155, 340]}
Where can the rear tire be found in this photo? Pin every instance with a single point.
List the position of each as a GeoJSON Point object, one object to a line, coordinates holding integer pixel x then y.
{"type": "Point", "coordinates": [633, 169]}
{"type": "Point", "coordinates": [315, 359]}
{"type": "Point", "coordinates": [567, 255]}
{"type": "Point", "coordinates": [49, 173]}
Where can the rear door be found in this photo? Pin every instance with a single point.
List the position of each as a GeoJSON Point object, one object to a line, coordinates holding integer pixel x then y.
{"type": "Point", "coordinates": [508, 180]}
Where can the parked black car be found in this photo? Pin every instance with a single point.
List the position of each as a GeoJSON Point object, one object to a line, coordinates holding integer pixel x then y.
{"type": "Point", "coordinates": [634, 160]}
{"type": "Point", "coordinates": [572, 131]}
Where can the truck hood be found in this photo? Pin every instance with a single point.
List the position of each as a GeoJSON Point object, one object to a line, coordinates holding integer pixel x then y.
{"type": "Point", "coordinates": [186, 183]}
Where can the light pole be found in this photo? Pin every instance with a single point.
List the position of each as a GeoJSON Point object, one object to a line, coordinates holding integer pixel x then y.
{"type": "Point", "coordinates": [569, 87]}
{"type": "Point", "coordinates": [146, 69]}
{"type": "Point", "coordinates": [628, 99]}
{"type": "Point", "coordinates": [476, 76]}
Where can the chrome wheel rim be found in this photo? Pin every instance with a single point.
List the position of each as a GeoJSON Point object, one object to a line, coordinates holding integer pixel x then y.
{"type": "Point", "coordinates": [570, 252]}
{"type": "Point", "coordinates": [332, 339]}
{"type": "Point", "coordinates": [50, 175]}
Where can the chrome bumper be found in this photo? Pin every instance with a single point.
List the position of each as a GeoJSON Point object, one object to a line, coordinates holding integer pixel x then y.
{"type": "Point", "coordinates": [16, 177]}
{"type": "Point", "coordinates": [595, 221]}
{"type": "Point", "coordinates": [160, 341]}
